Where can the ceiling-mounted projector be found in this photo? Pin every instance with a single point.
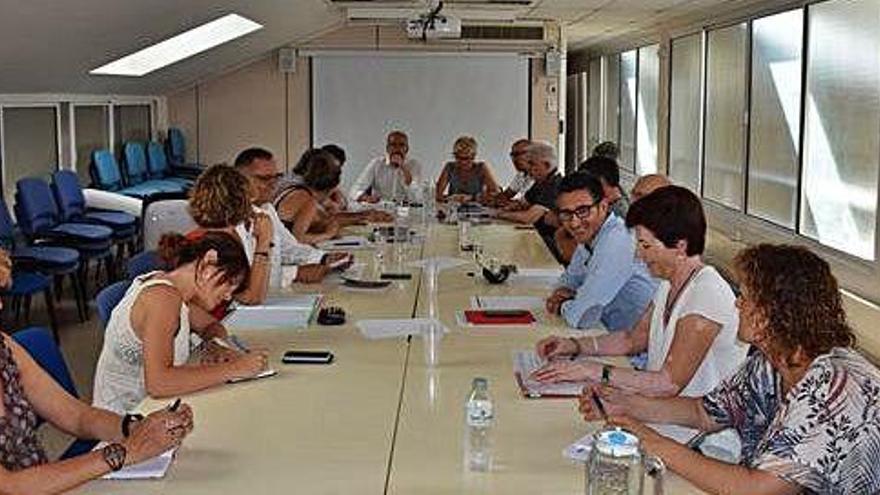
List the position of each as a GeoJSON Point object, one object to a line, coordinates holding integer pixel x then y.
{"type": "Point", "coordinates": [434, 27]}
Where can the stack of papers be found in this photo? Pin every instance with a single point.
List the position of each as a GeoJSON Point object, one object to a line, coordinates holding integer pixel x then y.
{"type": "Point", "coordinates": [345, 243]}
{"type": "Point", "coordinates": [526, 362]}
{"type": "Point", "coordinates": [537, 277]}
{"type": "Point", "coordinates": [507, 302]}
{"type": "Point", "coordinates": [150, 469]}
{"type": "Point", "coordinates": [276, 313]}
{"type": "Point", "coordinates": [387, 329]}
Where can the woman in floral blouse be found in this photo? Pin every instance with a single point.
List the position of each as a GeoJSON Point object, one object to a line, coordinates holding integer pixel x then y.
{"type": "Point", "coordinates": [806, 406]}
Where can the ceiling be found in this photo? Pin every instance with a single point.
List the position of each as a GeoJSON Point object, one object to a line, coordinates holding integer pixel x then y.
{"type": "Point", "coordinates": [48, 46]}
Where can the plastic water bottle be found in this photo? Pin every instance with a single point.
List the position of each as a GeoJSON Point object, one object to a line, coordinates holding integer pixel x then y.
{"type": "Point", "coordinates": [401, 232]}
{"type": "Point", "coordinates": [479, 419]}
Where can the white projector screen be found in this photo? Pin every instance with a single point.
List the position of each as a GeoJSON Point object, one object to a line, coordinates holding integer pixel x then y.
{"type": "Point", "coordinates": [358, 99]}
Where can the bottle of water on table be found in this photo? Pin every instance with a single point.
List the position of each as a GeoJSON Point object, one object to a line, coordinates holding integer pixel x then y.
{"type": "Point", "coordinates": [479, 419]}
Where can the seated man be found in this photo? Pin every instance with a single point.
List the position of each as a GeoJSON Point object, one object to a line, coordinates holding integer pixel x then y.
{"type": "Point", "coordinates": [608, 172]}
{"type": "Point", "coordinates": [392, 177]}
{"type": "Point", "coordinates": [521, 182]}
{"type": "Point", "coordinates": [646, 184]}
{"type": "Point", "coordinates": [312, 264]}
{"type": "Point", "coordinates": [605, 282]}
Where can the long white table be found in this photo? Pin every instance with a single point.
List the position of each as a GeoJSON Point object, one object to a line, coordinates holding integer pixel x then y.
{"type": "Point", "coordinates": [379, 420]}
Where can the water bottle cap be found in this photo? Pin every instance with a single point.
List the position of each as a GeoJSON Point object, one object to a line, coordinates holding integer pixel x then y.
{"type": "Point", "coordinates": [481, 382]}
{"type": "Point", "coordinates": [618, 443]}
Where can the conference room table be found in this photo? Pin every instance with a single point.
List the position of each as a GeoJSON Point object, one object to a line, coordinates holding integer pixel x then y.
{"type": "Point", "coordinates": [379, 419]}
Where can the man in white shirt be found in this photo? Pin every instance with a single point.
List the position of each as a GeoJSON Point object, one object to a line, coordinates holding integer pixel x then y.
{"type": "Point", "coordinates": [311, 264]}
{"type": "Point", "coordinates": [521, 182]}
{"type": "Point", "coordinates": [392, 177]}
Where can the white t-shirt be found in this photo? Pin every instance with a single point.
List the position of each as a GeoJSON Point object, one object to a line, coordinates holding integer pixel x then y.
{"type": "Point", "coordinates": [707, 295]}
{"type": "Point", "coordinates": [520, 183]}
{"type": "Point", "coordinates": [386, 181]}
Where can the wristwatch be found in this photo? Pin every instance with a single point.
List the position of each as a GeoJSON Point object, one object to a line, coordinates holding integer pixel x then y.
{"type": "Point", "coordinates": [114, 455]}
{"type": "Point", "coordinates": [606, 374]}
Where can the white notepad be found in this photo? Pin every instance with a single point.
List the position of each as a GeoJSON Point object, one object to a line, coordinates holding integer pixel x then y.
{"type": "Point", "coordinates": [525, 363]}
{"type": "Point", "coordinates": [150, 469]}
{"type": "Point", "coordinates": [294, 311]}
{"type": "Point", "coordinates": [387, 329]}
{"type": "Point", "coordinates": [507, 302]}
{"type": "Point", "coordinates": [540, 277]}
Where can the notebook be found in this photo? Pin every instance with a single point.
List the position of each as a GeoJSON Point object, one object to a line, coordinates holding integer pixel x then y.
{"type": "Point", "coordinates": [150, 469]}
{"type": "Point", "coordinates": [526, 362]}
{"type": "Point", "coordinates": [293, 311]}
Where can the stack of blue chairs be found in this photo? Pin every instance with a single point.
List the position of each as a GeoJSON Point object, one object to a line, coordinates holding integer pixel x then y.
{"type": "Point", "coordinates": [138, 173]}
{"type": "Point", "coordinates": [47, 261]}
{"type": "Point", "coordinates": [159, 168]}
{"type": "Point", "coordinates": [72, 208]}
{"type": "Point", "coordinates": [40, 221]}
{"type": "Point", "coordinates": [107, 175]}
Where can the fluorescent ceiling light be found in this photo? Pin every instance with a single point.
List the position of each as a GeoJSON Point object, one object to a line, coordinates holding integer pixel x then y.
{"type": "Point", "coordinates": [177, 48]}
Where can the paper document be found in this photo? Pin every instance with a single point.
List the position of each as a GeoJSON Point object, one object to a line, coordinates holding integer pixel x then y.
{"type": "Point", "coordinates": [524, 363]}
{"type": "Point", "coordinates": [294, 311]}
{"type": "Point", "coordinates": [440, 262]}
{"type": "Point", "coordinates": [345, 243]}
{"type": "Point", "coordinates": [542, 277]}
{"type": "Point", "coordinates": [507, 302]}
{"type": "Point", "coordinates": [386, 329]}
{"type": "Point", "coordinates": [149, 469]}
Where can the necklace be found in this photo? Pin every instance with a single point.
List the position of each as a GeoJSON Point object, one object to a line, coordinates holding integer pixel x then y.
{"type": "Point", "coordinates": [671, 301]}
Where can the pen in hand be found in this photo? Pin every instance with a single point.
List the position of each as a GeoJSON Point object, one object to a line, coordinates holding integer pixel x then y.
{"type": "Point", "coordinates": [601, 407]}
{"type": "Point", "coordinates": [173, 407]}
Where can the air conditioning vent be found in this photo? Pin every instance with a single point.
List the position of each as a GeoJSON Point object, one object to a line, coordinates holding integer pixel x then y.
{"type": "Point", "coordinates": [514, 33]}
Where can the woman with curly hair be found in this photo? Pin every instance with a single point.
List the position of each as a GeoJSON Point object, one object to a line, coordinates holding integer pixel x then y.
{"type": "Point", "coordinates": [806, 405]}
{"type": "Point", "coordinates": [221, 200]}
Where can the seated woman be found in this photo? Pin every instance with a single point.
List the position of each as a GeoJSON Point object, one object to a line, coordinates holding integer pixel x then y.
{"type": "Point", "coordinates": [28, 392]}
{"type": "Point", "coordinates": [689, 331]}
{"type": "Point", "coordinates": [299, 205]}
{"type": "Point", "coordinates": [147, 340]}
{"type": "Point", "coordinates": [806, 405]}
{"type": "Point", "coordinates": [466, 179]}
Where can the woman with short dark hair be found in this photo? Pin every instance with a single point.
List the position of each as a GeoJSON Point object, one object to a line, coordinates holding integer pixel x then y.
{"type": "Point", "coordinates": [689, 330]}
{"type": "Point", "coordinates": [806, 406]}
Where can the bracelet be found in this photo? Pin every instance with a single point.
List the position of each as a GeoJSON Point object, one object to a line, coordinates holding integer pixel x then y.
{"type": "Point", "coordinates": [127, 420]}
{"type": "Point", "coordinates": [577, 346]}
{"type": "Point", "coordinates": [114, 455]}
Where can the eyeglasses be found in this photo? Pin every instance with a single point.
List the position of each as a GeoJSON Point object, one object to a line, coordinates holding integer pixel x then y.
{"type": "Point", "coordinates": [581, 212]}
{"type": "Point", "coordinates": [268, 178]}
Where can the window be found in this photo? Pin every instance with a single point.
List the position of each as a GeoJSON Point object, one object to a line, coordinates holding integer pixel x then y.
{"type": "Point", "coordinates": [648, 98]}
{"type": "Point", "coordinates": [611, 98]}
{"type": "Point", "coordinates": [685, 111]}
{"type": "Point", "coordinates": [725, 115]}
{"type": "Point", "coordinates": [775, 112]}
{"type": "Point", "coordinates": [131, 123]}
{"type": "Point", "coordinates": [628, 76]}
{"type": "Point", "coordinates": [842, 127]}
{"type": "Point", "coordinates": [92, 133]}
{"type": "Point", "coordinates": [30, 145]}
{"type": "Point", "coordinates": [594, 102]}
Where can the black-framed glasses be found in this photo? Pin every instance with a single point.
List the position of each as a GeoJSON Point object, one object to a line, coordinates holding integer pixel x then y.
{"type": "Point", "coordinates": [581, 212]}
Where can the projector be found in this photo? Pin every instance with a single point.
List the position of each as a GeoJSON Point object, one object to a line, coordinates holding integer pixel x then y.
{"type": "Point", "coordinates": [436, 27]}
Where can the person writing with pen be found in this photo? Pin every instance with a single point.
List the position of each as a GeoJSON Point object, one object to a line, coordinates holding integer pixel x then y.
{"type": "Point", "coordinates": [806, 404]}
{"type": "Point", "coordinates": [29, 393]}
{"type": "Point", "coordinates": [689, 329]}
{"type": "Point", "coordinates": [146, 346]}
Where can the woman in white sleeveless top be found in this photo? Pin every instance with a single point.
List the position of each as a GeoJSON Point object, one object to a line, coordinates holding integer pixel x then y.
{"type": "Point", "coordinates": [690, 329]}
{"type": "Point", "coordinates": [147, 340]}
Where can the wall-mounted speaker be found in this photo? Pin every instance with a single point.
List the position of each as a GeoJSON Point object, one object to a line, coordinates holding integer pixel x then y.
{"type": "Point", "coordinates": [287, 60]}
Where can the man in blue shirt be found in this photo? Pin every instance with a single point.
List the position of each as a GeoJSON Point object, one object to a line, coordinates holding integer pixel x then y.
{"type": "Point", "coordinates": [605, 282]}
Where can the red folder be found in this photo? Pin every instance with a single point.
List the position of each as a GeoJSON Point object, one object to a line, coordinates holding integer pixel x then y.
{"type": "Point", "coordinates": [499, 317]}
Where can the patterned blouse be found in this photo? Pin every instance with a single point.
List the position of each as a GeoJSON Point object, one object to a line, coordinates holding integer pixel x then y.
{"type": "Point", "coordinates": [19, 446]}
{"type": "Point", "coordinates": [824, 435]}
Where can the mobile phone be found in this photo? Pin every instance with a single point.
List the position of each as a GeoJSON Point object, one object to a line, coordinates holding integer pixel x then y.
{"type": "Point", "coordinates": [307, 357]}
{"type": "Point", "coordinates": [395, 276]}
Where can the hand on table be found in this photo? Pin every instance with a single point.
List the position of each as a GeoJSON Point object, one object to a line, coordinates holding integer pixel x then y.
{"type": "Point", "coordinates": [567, 371]}
{"type": "Point", "coordinates": [159, 432]}
{"type": "Point", "coordinates": [559, 296]}
{"type": "Point", "coordinates": [553, 347]}
{"type": "Point", "coordinates": [615, 401]}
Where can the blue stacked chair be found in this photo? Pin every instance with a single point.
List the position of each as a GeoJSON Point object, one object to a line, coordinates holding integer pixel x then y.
{"type": "Point", "coordinates": [39, 219]}
{"type": "Point", "coordinates": [39, 344]}
{"type": "Point", "coordinates": [52, 261]}
{"type": "Point", "coordinates": [144, 262]}
{"type": "Point", "coordinates": [176, 147]}
{"type": "Point", "coordinates": [107, 175]}
{"type": "Point", "coordinates": [72, 207]}
{"type": "Point", "coordinates": [159, 168]}
{"type": "Point", "coordinates": [138, 173]}
{"type": "Point", "coordinates": [108, 298]}
{"type": "Point", "coordinates": [26, 284]}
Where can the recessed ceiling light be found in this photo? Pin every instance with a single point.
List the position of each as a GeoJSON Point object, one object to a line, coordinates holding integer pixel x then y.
{"type": "Point", "coordinates": [179, 47]}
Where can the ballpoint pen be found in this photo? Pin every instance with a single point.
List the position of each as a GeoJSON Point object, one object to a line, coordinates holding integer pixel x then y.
{"type": "Point", "coordinates": [598, 401]}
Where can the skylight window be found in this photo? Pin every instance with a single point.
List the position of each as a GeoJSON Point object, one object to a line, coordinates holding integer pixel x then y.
{"type": "Point", "coordinates": [179, 47]}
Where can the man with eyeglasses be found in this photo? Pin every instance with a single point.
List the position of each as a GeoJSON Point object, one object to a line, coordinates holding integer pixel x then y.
{"type": "Point", "coordinates": [311, 264]}
{"type": "Point", "coordinates": [605, 282]}
{"type": "Point", "coordinates": [522, 181]}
